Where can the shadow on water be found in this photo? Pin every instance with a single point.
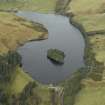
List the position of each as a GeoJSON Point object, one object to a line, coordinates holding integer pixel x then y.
{"type": "Point", "coordinates": [55, 63]}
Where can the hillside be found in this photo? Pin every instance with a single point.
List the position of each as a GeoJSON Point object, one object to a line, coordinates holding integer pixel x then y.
{"type": "Point", "coordinates": [30, 5]}
{"type": "Point", "coordinates": [15, 31]}
{"type": "Point", "coordinates": [90, 15]}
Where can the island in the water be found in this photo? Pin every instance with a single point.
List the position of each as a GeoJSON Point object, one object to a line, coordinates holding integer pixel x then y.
{"type": "Point", "coordinates": [56, 55]}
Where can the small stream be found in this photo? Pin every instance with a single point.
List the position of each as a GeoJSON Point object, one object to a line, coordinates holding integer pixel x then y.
{"type": "Point", "coordinates": [63, 36]}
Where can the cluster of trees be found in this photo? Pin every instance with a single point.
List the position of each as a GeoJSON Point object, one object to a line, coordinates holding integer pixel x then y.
{"type": "Point", "coordinates": [8, 65]}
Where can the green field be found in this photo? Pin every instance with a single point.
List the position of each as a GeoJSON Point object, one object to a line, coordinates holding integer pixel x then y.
{"type": "Point", "coordinates": [98, 42]}
{"type": "Point", "coordinates": [30, 5]}
{"type": "Point", "coordinates": [15, 31]}
{"type": "Point", "coordinates": [91, 15]}
{"type": "Point", "coordinates": [92, 23]}
{"type": "Point", "coordinates": [20, 80]}
{"type": "Point", "coordinates": [86, 6]}
{"type": "Point", "coordinates": [91, 94]}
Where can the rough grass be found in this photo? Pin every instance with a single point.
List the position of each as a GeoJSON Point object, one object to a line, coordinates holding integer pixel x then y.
{"type": "Point", "coordinates": [91, 14]}
{"type": "Point", "coordinates": [98, 45]}
{"type": "Point", "coordinates": [92, 23]}
{"type": "Point", "coordinates": [15, 31]}
{"type": "Point", "coordinates": [20, 80]}
{"type": "Point", "coordinates": [44, 94]}
{"type": "Point", "coordinates": [91, 94]}
{"type": "Point", "coordinates": [87, 6]}
{"type": "Point", "coordinates": [30, 5]}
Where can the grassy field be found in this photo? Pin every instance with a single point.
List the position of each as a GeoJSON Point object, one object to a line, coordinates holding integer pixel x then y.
{"type": "Point", "coordinates": [91, 15]}
{"type": "Point", "coordinates": [19, 81]}
{"type": "Point", "coordinates": [46, 96]}
{"type": "Point", "coordinates": [30, 5]}
{"type": "Point", "coordinates": [91, 94]}
{"type": "Point", "coordinates": [92, 23]}
{"type": "Point", "coordinates": [15, 31]}
{"type": "Point", "coordinates": [98, 42]}
{"type": "Point", "coordinates": [87, 6]}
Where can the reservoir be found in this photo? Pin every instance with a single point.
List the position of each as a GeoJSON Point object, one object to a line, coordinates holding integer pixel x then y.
{"type": "Point", "coordinates": [61, 35]}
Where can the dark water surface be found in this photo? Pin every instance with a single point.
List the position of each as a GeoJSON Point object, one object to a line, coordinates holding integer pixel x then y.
{"type": "Point", "coordinates": [63, 36]}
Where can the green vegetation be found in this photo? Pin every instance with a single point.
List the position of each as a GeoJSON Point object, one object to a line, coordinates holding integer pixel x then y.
{"type": "Point", "coordinates": [72, 86]}
{"type": "Point", "coordinates": [84, 85]}
{"type": "Point", "coordinates": [56, 55]}
{"type": "Point", "coordinates": [21, 88]}
{"type": "Point", "coordinates": [85, 7]}
{"type": "Point", "coordinates": [92, 23]}
{"type": "Point", "coordinates": [15, 31]}
{"type": "Point", "coordinates": [90, 15]}
{"type": "Point", "coordinates": [19, 81]}
{"type": "Point", "coordinates": [61, 6]}
{"type": "Point", "coordinates": [12, 78]}
{"type": "Point", "coordinates": [37, 94]}
{"type": "Point", "coordinates": [91, 94]}
{"type": "Point", "coordinates": [97, 43]}
{"type": "Point", "coordinates": [30, 5]}
{"type": "Point", "coordinates": [10, 72]}
{"type": "Point", "coordinates": [8, 65]}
